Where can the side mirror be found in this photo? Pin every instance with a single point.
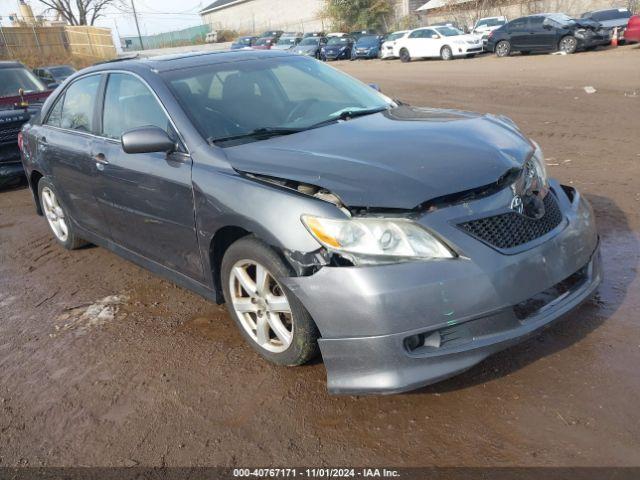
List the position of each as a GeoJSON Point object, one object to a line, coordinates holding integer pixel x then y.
{"type": "Point", "coordinates": [375, 86]}
{"type": "Point", "coordinates": [435, 36]}
{"type": "Point", "coordinates": [147, 140]}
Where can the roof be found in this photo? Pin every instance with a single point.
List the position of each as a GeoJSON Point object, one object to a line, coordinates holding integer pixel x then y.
{"type": "Point", "coordinates": [10, 64]}
{"type": "Point", "coordinates": [218, 4]}
{"type": "Point", "coordinates": [165, 63]}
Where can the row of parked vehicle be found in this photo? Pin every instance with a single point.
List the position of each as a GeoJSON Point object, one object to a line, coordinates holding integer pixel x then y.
{"type": "Point", "coordinates": [545, 32]}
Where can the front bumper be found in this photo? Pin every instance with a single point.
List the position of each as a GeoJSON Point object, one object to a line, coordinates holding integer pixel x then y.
{"type": "Point", "coordinates": [366, 54]}
{"type": "Point", "coordinates": [341, 55]}
{"type": "Point", "coordinates": [11, 173]}
{"type": "Point", "coordinates": [466, 49]}
{"type": "Point", "coordinates": [367, 316]}
{"type": "Point", "coordinates": [595, 39]}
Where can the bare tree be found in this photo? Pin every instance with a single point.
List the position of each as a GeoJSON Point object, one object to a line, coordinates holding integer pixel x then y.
{"type": "Point", "coordinates": [79, 12]}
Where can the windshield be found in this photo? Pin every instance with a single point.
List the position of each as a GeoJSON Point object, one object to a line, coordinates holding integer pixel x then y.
{"type": "Point", "coordinates": [310, 41]}
{"type": "Point", "coordinates": [263, 41]}
{"type": "Point", "coordinates": [395, 36]}
{"type": "Point", "coordinates": [338, 41]}
{"type": "Point", "coordinates": [367, 41]}
{"type": "Point", "coordinates": [448, 31]}
{"type": "Point", "coordinates": [561, 18]}
{"type": "Point", "coordinates": [287, 41]}
{"type": "Point", "coordinates": [490, 22]}
{"type": "Point", "coordinates": [234, 99]}
{"type": "Point", "coordinates": [245, 40]}
{"type": "Point", "coordinates": [62, 72]}
{"type": "Point", "coordinates": [13, 79]}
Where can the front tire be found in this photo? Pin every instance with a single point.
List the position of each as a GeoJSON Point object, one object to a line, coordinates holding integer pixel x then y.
{"type": "Point", "coordinates": [446, 53]}
{"type": "Point", "coordinates": [568, 44]}
{"type": "Point", "coordinates": [405, 57]}
{"type": "Point", "coordinates": [503, 48]}
{"type": "Point", "coordinates": [58, 217]}
{"type": "Point", "coordinates": [271, 318]}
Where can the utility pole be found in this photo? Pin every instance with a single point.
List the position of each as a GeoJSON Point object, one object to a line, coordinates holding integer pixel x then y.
{"type": "Point", "coordinates": [135, 17]}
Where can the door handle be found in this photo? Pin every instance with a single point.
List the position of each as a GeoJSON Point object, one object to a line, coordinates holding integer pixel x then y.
{"type": "Point", "coordinates": [101, 161]}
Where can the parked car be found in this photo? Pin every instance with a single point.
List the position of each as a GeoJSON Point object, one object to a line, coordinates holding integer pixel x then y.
{"type": "Point", "coordinates": [314, 34]}
{"type": "Point", "coordinates": [367, 46]}
{"type": "Point", "coordinates": [360, 33]}
{"type": "Point", "coordinates": [264, 43]}
{"type": "Point", "coordinates": [244, 42]}
{"type": "Point", "coordinates": [337, 48]}
{"type": "Point", "coordinates": [387, 51]}
{"type": "Point", "coordinates": [22, 94]}
{"type": "Point", "coordinates": [432, 42]}
{"type": "Point", "coordinates": [287, 43]}
{"type": "Point", "coordinates": [268, 181]}
{"type": "Point", "coordinates": [632, 33]}
{"type": "Point", "coordinates": [54, 75]}
{"type": "Point", "coordinates": [272, 34]}
{"type": "Point", "coordinates": [337, 34]}
{"type": "Point", "coordinates": [311, 46]}
{"type": "Point", "coordinates": [547, 33]}
{"type": "Point", "coordinates": [611, 18]}
{"type": "Point", "coordinates": [485, 26]}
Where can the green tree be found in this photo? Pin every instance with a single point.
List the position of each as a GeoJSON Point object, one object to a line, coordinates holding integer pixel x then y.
{"type": "Point", "coordinates": [349, 15]}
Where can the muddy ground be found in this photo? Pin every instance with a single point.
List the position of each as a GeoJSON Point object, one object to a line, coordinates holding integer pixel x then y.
{"type": "Point", "coordinates": [162, 377]}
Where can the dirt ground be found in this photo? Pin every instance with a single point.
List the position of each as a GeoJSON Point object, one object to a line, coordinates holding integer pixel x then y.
{"type": "Point", "coordinates": [159, 376]}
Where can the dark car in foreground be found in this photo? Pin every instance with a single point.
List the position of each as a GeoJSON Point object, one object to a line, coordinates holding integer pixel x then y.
{"type": "Point", "coordinates": [404, 244]}
{"type": "Point", "coordinates": [21, 96]}
{"type": "Point", "coordinates": [54, 75]}
{"type": "Point", "coordinates": [243, 42]}
{"type": "Point", "coordinates": [548, 32]}
{"type": "Point", "coordinates": [337, 48]}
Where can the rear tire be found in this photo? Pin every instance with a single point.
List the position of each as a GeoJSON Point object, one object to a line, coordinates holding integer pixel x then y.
{"type": "Point", "coordinates": [58, 217]}
{"type": "Point", "coordinates": [503, 48]}
{"type": "Point", "coordinates": [270, 317]}
{"type": "Point", "coordinates": [568, 44]}
{"type": "Point", "coordinates": [405, 57]}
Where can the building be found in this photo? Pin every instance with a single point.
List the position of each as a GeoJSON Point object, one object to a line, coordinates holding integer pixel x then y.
{"type": "Point", "coordinates": [254, 16]}
{"type": "Point", "coordinates": [466, 12]}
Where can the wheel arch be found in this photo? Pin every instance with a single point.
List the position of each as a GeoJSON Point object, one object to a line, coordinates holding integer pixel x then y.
{"type": "Point", "coordinates": [221, 241]}
{"type": "Point", "coordinates": [34, 180]}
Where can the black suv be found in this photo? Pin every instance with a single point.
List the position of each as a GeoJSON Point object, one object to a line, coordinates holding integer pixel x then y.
{"type": "Point", "coordinates": [547, 32]}
{"type": "Point", "coordinates": [21, 96]}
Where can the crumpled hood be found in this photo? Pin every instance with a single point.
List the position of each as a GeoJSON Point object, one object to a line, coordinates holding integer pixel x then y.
{"type": "Point", "coordinates": [395, 159]}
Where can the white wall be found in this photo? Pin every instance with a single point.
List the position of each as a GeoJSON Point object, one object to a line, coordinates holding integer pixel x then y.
{"type": "Point", "coordinates": [260, 15]}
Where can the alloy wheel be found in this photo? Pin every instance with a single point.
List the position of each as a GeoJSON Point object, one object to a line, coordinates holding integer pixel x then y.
{"type": "Point", "coordinates": [502, 49]}
{"type": "Point", "coordinates": [261, 306]}
{"type": "Point", "coordinates": [446, 53]}
{"type": "Point", "coordinates": [55, 214]}
{"type": "Point", "coordinates": [568, 44]}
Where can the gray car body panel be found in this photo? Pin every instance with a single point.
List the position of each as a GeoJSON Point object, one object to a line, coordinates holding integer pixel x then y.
{"type": "Point", "coordinates": [380, 161]}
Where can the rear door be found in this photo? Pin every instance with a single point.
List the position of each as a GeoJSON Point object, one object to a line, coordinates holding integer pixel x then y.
{"type": "Point", "coordinates": [147, 198]}
{"type": "Point", "coordinates": [65, 142]}
{"type": "Point", "coordinates": [519, 34]}
{"type": "Point", "coordinates": [417, 44]}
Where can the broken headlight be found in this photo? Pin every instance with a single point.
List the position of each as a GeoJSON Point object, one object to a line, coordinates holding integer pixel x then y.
{"type": "Point", "coordinates": [375, 240]}
{"type": "Point", "coordinates": [539, 166]}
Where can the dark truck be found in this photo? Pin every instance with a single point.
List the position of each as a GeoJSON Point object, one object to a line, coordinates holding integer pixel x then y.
{"type": "Point", "coordinates": [21, 96]}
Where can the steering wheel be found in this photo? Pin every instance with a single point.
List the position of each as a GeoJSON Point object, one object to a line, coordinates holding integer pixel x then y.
{"type": "Point", "coordinates": [299, 109]}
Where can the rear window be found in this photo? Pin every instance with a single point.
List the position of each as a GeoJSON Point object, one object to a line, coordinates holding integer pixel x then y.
{"type": "Point", "coordinates": [609, 15]}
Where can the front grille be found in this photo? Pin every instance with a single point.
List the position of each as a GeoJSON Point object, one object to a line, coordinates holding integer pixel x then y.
{"type": "Point", "coordinates": [511, 229]}
{"type": "Point", "coordinates": [9, 135]}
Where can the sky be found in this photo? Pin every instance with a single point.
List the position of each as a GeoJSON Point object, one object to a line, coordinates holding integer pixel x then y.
{"type": "Point", "coordinates": [155, 16]}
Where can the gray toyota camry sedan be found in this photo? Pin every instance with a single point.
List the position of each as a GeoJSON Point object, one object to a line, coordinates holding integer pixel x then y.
{"type": "Point", "coordinates": [403, 244]}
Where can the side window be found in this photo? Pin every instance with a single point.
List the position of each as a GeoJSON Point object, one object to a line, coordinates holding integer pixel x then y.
{"type": "Point", "coordinates": [535, 23]}
{"type": "Point", "coordinates": [79, 102]}
{"type": "Point", "coordinates": [518, 24]}
{"type": "Point", "coordinates": [55, 114]}
{"type": "Point", "coordinates": [416, 34]}
{"type": "Point", "coordinates": [129, 104]}
{"type": "Point", "coordinates": [428, 33]}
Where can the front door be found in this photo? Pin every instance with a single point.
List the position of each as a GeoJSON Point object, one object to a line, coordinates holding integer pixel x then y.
{"type": "Point", "coordinates": [66, 139]}
{"type": "Point", "coordinates": [519, 34]}
{"type": "Point", "coordinates": [147, 198]}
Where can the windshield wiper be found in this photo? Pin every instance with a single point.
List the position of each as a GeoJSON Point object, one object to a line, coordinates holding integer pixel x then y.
{"type": "Point", "coordinates": [259, 133]}
{"type": "Point", "coordinates": [349, 112]}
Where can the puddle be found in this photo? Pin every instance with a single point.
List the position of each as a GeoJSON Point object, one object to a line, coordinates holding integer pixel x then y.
{"type": "Point", "coordinates": [85, 317]}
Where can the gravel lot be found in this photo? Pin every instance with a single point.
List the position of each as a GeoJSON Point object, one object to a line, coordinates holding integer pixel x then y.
{"type": "Point", "coordinates": [155, 375]}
